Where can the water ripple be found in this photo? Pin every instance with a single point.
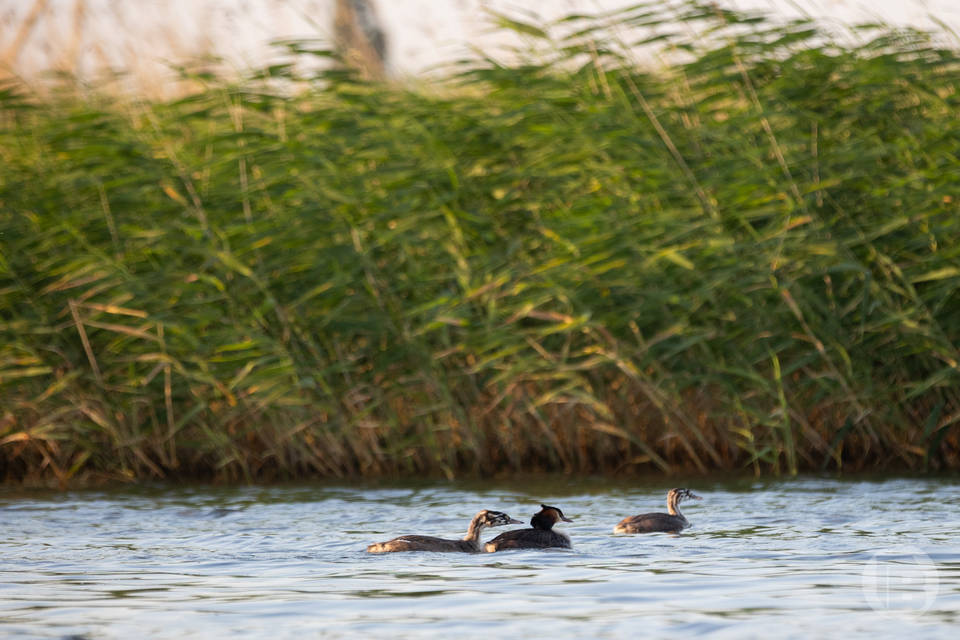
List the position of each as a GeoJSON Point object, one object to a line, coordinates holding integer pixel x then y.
{"type": "Point", "coordinates": [787, 558]}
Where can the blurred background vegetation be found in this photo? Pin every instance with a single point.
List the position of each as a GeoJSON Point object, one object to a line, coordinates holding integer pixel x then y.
{"type": "Point", "coordinates": [746, 256]}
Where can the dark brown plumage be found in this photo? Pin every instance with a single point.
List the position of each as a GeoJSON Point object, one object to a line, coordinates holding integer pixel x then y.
{"type": "Point", "coordinates": [673, 522]}
{"type": "Point", "coordinates": [469, 544]}
{"type": "Point", "coordinates": [540, 536]}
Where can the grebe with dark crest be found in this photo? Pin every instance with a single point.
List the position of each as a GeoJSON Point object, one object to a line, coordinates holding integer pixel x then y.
{"type": "Point", "coordinates": [674, 522]}
{"type": "Point", "coordinates": [541, 536]}
{"type": "Point", "coordinates": [469, 544]}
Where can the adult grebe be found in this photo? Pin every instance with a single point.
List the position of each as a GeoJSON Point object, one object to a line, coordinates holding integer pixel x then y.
{"type": "Point", "coordinates": [540, 536]}
{"type": "Point", "coordinates": [673, 522]}
{"type": "Point", "coordinates": [469, 544]}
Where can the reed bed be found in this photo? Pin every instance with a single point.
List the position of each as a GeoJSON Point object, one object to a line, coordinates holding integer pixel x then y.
{"type": "Point", "coordinates": [745, 257]}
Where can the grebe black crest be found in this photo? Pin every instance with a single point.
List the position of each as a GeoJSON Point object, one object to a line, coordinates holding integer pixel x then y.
{"type": "Point", "coordinates": [672, 522]}
{"type": "Point", "coordinates": [540, 536]}
{"type": "Point", "coordinates": [469, 544]}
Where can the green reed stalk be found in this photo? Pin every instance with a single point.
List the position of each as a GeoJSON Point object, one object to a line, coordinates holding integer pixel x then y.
{"type": "Point", "coordinates": [746, 257]}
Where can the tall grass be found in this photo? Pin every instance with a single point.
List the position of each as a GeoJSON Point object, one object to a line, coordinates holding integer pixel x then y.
{"type": "Point", "coordinates": [745, 258]}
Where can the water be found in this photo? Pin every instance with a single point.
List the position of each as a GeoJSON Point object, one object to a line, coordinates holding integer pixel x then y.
{"type": "Point", "coordinates": [795, 558]}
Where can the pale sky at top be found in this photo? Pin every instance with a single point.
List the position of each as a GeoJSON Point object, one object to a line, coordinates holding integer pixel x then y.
{"type": "Point", "coordinates": [146, 36]}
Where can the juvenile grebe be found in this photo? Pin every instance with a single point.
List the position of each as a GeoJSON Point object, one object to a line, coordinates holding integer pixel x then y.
{"type": "Point", "coordinates": [673, 522]}
{"type": "Point", "coordinates": [469, 544]}
{"type": "Point", "coordinates": [540, 536]}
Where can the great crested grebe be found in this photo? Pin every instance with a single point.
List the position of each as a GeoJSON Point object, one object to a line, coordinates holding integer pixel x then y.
{"type": "Point", "coordinates": [540, 536]}
{"type": "Point", "coordinates": [673, 522]}
{"type": "Point", "coordinates": [469, 544]}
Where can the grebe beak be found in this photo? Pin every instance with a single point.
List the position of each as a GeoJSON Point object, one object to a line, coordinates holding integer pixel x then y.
{"type": "Point", "coordinates": [695, 497]}
{"type": "Point", "coordinates": [514, 521]}
{"type": "Point", "coordinates": [565, 519]}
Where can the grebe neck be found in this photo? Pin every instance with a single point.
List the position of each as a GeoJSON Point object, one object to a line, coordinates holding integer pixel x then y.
{"type": "Point", "coordinates": [673, 505]}
{"type": "Point", "coordinates": [473, 531]}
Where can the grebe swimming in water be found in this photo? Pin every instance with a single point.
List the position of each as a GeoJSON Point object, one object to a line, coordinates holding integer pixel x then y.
{"type": "Point", "coordinates": [673, 522]}
{"type": "Point", "coordinates": [469, 544]}
{"type": "Point", "coordinates": [540, 536]}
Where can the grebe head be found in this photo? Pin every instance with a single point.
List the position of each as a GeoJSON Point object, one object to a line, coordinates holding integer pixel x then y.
{"type": "Point", "coordinates": [676, 496]}
{"type": "Point", "coordinates": [487, 518]}
{"type": "Point", "coordinates": [680, 494]}
{"type": "Point", "coordinates": [547, 517]}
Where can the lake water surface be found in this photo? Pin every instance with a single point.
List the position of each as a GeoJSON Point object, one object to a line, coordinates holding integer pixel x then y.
{"type": "Point", "coordinates": [793, 558]}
